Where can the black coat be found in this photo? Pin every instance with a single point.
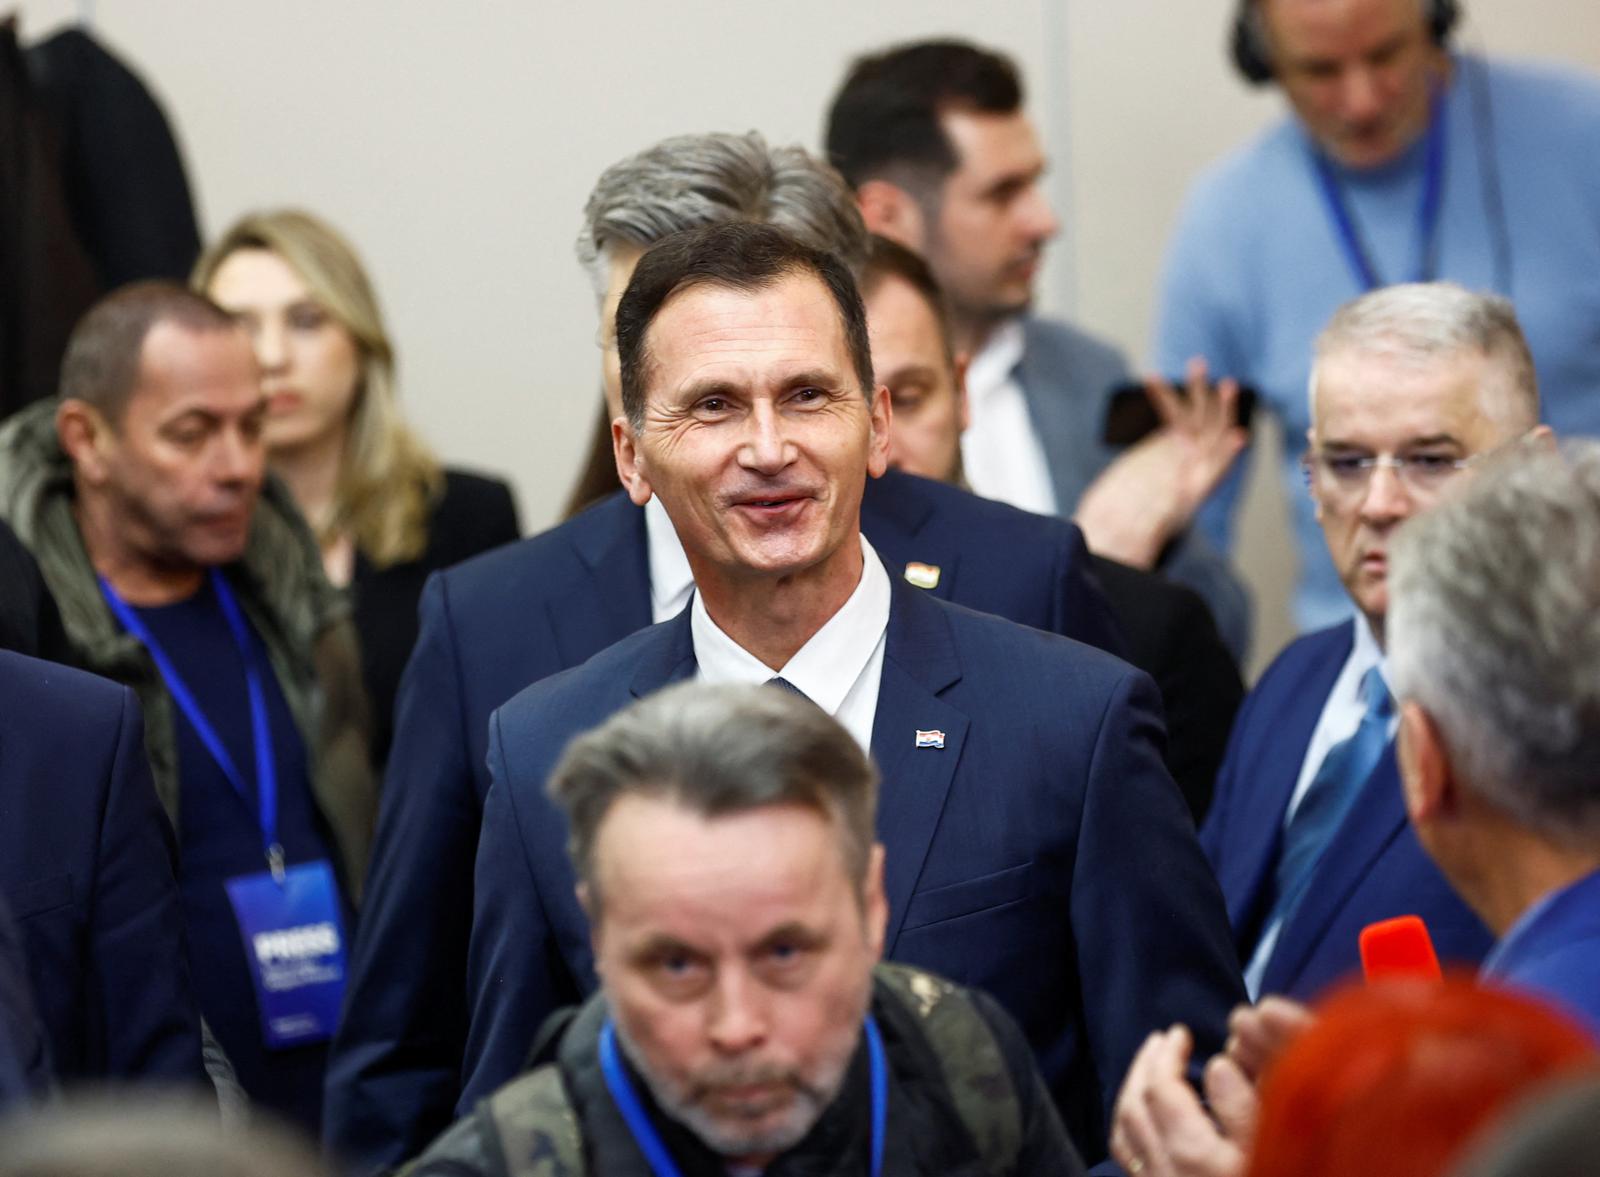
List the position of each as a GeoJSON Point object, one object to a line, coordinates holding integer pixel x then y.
{"type": "Point", "coordinates": [29, 621]}
{"type": "Point", "coordinates": [1171, 637]}
{"type": "Point", "coordinates": [472, 515]}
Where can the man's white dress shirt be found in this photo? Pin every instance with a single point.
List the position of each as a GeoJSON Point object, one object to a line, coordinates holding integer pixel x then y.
{"type": "Point", "coordinates": [840, 666]}
{"type": "Point", "coordinates": [1001, 453]}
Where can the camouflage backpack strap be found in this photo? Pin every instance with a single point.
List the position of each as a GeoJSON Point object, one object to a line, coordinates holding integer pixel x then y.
{"type": "Point", "coordinates": [975, 1071]}
{"type": "Point", "coordinates": [536, 1126]}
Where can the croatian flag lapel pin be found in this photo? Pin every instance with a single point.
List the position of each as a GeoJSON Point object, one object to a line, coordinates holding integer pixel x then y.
{"type": "Point", "coordinates": [933, 739]}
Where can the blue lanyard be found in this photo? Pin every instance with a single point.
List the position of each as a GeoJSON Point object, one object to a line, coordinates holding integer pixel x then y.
{"type": "Point", "coordinates": [655, 1149]}
{"type": "Point", "coordinates": [260, 730]}
{"type": "Point", "coordinates": [1427, 208]}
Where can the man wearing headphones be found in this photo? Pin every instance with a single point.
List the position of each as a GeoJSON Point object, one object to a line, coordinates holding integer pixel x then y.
{"type": "Point", "coordinates": [1403, 161]}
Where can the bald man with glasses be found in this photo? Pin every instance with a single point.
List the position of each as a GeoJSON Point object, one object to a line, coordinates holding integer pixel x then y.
{"type": "Point", "coordinates": [1411, 386]}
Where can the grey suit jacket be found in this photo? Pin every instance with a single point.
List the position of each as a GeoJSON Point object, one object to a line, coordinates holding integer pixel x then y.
{"type": "Point", "coordinates": [1066, 376]}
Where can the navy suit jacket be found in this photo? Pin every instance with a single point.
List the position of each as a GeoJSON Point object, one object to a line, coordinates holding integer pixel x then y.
{"type": "Point", "coordinates": [1553, 952]}
{"type": "Point", "coordinates": [511, 617]}
{"type": "Point", "coordinates": [1043, 854]}
{"type": "Point", "coordinates": [1373, 867]}
{"type": "Point", "coordinates": [86, 867]}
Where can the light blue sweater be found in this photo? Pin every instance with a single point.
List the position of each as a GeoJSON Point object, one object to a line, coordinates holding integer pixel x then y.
{"type": "Point", "coordinates": [1256, 268]}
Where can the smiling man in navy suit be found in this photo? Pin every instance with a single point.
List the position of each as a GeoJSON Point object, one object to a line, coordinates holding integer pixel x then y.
{"type": "Point", "coordinates": [1036, 846]}
{"type": "Point", "coordinates": [1411, 385]}
{"type": "Point", "coordinates": [493, 625]}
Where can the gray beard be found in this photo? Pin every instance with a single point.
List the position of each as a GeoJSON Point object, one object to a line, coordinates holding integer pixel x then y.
{"type": "Point", "coordinates": [720, 1134]}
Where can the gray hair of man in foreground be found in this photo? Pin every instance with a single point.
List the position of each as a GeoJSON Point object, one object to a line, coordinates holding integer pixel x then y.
{"type": "Point", "coordinates": [142, 1135]}
{"type": "Point", "coordinates": [1494, 629]}
{"type": "Point", "coordinates": [690, 181]}
{"type": "Point", "coordinates": [717, 751]}
{"type": "Point", "coordinates": [1555, 1134]}
{"type": "Point", "coordinates": [1425, 322]}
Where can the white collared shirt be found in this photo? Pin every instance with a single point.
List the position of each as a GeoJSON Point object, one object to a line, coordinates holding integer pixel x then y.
{"type": "Point", "coordinates": [1001, 453]}
{"type": "Point", "coordinates": [840, 666]}
{"type": "Point", "coordinates": [1341, 715]}
{"type": "Point", "coordinates": [671, 582]}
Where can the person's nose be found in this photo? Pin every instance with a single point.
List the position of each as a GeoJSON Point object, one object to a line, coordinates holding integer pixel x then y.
{"type": "Point", "coordinates": [237, 458]}
{"type": "Point", "coordinates": [271, 344]}
{"type": "Point", "coordinates": [1038, 218]}
{"type": "Point", "coordinates": [1360, 95]}
{"type": "Point", "coordinates": [738, 1019]}
{"type": "Point", "coordinates": [1387, 499]}
{"type": "Point", "coordinates": [766, 447]}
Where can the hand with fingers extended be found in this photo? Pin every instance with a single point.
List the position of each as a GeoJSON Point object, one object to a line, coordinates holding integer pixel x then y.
{"type": "Point", "coordinates": [1152, 491]}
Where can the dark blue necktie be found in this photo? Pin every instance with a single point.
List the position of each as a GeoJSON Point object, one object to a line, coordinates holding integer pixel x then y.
{"type": "Point", "coordinates": [1339, 778]}
{"type": "Point", "coordinates": [784, 684]}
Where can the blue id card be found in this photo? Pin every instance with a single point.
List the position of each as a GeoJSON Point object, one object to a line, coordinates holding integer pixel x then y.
{"type": "Point", "coordinates": [294, 941]}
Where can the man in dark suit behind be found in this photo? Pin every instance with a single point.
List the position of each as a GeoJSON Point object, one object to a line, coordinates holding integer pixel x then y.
{"type": "Point", "coordinates": [1036, 847]}
{"type": "Point", "coordinates": [1171, 635]}
{"type": "Point", "coordinates": [1410, 386]}
{"type": "Point", "coordinates": [499, 622]}
{"type": "Point", "coordinates": [86, 868]}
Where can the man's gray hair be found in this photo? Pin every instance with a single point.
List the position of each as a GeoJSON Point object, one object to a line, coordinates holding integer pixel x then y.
{"type": "Point", "coordinates": [691, 181]}
{"type": "Point", "coordinates": [1494, 629]}
{"type": "Point", "coordinates": [1422, 322]}
{"type": "Point", "coordinates": [718, 750]}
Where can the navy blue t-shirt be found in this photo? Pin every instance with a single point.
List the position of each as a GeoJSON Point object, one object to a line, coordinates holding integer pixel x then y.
{"type": "Point", "coordinates": [220, 838]}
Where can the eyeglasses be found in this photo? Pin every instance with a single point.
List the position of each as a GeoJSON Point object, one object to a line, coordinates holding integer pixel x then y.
{"type": "Point", "coordinates": [1349, 475]}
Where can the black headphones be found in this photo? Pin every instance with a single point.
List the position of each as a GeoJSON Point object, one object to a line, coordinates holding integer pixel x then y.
{"type": "Point", "coordinates": [1248, 44]}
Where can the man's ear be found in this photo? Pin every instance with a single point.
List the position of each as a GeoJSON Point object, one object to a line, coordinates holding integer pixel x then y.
{"type": "Point", "coordinates": [879, 413]}
{"type": "Point", "coordinates": [892, 212]}
{"type": "Point", "coordinates": [875, 905]}
{"type": "Point", "coordinates": [592, 916]}
{"type": "Point", "coordinates": [85, 437]}
{"type": "Point", "coordinates": [630, 465]}
{"type": "Point", "coordinates": [1429, 786]}
{"type": "Point", "coordinates": [962, 361]}
{"type": "Point", "coordinates": [1311, 480]}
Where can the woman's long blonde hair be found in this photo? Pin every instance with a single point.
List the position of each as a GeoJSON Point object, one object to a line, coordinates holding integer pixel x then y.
{"type": "Point", "coordinates": [388, 479]}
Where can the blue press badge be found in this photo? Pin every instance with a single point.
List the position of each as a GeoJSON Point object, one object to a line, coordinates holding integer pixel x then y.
{"type": "Point", "coordinates": [294, 941]}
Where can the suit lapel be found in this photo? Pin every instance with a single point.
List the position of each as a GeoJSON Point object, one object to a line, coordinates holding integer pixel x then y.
{"type": "Point", "coordinates": [666, 661]}
{"type": "Point", "coordinates": [1376, 818]}
{"type": "Point", "coordinates": [613, 599]}
{"type": "Point", "coordinates": [895, 517]}
{"type": "Point", "coordinates": [1055, 418]}
{"type": "Point", "coordinates": [919, 663]}
{"type": "Point", "coordinates": [1252, 850]}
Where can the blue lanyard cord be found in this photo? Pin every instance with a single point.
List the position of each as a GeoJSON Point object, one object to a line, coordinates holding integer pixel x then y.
{"type": "Point", "coordinates": [655, 1149]}
{"type": "Point", "coordinates": [1427, 207]}
{"type": "Point", "coordinates": [260, 728]}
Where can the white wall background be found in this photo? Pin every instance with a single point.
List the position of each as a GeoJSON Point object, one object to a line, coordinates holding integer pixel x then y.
{"type": "Point", "coordinates": [455, 144]}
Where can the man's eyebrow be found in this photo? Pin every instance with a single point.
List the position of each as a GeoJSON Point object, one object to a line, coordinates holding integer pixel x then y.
{"type": "Point", "coordinates": [1410, 443]}
{"type": "Point", "coordinates": [1015, 179]}
{"type": "Point", "coordinates": [793, 932]}
{"type": "Point", "coordinates": [195, 412]}
{"type": "Point", "coordinates": [821, 377]}
{"type": "Point", "coordinates": [915, 370]}
{"type": "Point", "coordinates": [659, 945]}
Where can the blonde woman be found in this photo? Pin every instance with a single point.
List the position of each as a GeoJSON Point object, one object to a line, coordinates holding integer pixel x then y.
{"type": "Point", "coordinates": [384, 511]}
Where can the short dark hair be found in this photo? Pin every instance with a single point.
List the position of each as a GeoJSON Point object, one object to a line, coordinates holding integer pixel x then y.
{"type": "Point", "coordinates": [890, 259]}
{"type": "Point", "coordinates": [884, 122]}
{"type": "Point", "coordinates": [101, 364]}
{"type": "Point", "coordinates": [717, 751]}
{"type": "Point", "coordinates": [736, 255]}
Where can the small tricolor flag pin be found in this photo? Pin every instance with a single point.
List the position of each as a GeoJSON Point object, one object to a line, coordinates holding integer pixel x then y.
{"type": "Point", "coordinates": [923, 576]}
{"type": "Point", "coordinates": [933, 739]}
